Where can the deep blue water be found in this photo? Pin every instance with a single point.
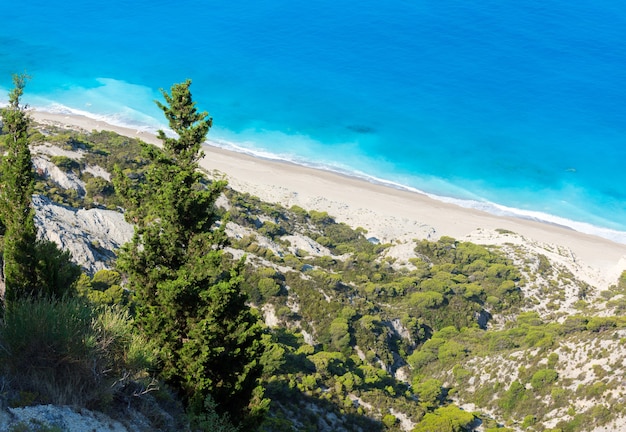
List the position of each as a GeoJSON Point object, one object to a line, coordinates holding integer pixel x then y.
{"type": "Point", "coordinates": [515, 107]}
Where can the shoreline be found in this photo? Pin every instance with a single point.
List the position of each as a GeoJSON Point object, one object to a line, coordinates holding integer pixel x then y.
{"type": "Point", "coordinates": [388, 213]}
{"type": "Point", "coordinates": [148, 134]}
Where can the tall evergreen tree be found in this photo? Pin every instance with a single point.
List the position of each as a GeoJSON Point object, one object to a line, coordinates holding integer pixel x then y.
{"type": "Point", "coordinates": [30, 267]}
{"type": "Point", "coordinates": [16, 189]}
{"type": "Point", "coordinates": [187, 291]}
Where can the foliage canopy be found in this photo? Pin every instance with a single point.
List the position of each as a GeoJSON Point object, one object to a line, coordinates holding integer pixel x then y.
{"type": "Point", "coordinates": [187, 290]}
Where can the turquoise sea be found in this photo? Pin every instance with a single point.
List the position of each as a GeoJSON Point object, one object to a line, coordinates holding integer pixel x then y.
{"type": "Point", "coordinates": [513, 107]}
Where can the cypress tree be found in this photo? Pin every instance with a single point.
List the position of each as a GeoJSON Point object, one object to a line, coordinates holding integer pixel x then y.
{"type": "Point", "coordinates": [16, 189]}
{"type": "Point", "coordinates": [187, 291]}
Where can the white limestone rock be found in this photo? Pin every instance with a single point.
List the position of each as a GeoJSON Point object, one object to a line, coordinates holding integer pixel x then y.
{"type": "Point", "coordinates": [92, 236]}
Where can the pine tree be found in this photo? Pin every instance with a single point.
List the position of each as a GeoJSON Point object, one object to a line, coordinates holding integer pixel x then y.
{"type": "Point", "coordinates": [16, 189]}
{"type": "Point", "coordinates": [30, 267]}
{"type": "Point", "coordinates": [187, 291]}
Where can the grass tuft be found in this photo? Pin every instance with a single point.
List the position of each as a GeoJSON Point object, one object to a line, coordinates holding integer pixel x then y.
{"type": "Point", "coordinates": [69, 352]}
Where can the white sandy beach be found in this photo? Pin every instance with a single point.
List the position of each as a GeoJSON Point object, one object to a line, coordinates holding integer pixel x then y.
{"type": "Point", "coordinates": [390, 214]}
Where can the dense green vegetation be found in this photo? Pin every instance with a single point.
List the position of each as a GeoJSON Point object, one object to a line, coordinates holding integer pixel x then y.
{"type": "Point", "coordinates": [356, 339]}
{"type": "Point", "coordinates": [186, 290]}
{"type": "Point", "coordinates": [103, 149]}
{"type": "Point", "coordinates": [30, 267]}
{"type": "Point", "coordinates": [370, 319]}
{"type": "Point", "coordinates": [16, 212]}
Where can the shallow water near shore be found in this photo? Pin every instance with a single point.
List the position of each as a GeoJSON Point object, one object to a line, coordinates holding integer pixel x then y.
{"type": "Point", "coordinates": [515, 109]}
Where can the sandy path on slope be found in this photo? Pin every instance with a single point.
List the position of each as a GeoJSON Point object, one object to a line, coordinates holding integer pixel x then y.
{"type": "Point", "coordinates": [387, 213]}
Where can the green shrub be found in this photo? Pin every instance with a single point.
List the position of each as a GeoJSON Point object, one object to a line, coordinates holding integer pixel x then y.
{"type": "Point", "coordinates": [299, 212]}
{"type": "Point", "coordinates": [529, 421]}
{"type": "Point", "coordinates": [268, 287]}
{"type": "Point", "coordinates": [103, 289]}
{"type": "Point", "coordinates": [598, 324]}
{"type": "Point", "coordinates": [574, 323]}
{"type": "Point", "coordinates": [209, 420]}
{"type": "Point", "coordinates": [389, 420]}
{"type": "Point", "coordinates": [99, 189]}
{"type": "Point", "coordinates": [533, 337]}
{"type": "Point", "coordinates": [451, 351]}
{"type": "Point", "coordinates": [421, 358]}
{"type": "Point", "coordinates": [512, 397]}
{"type": "Point", "coordinates": [461, 374]}
{"type": "Point", "coordinates": [553, 359]}
{"type": "Point", "coordinates": [65, 163]}
{"type": "Point", "coordinates": [272, 230]}
{"type": "Point", "coordinates": [104, 279]}
{"type": "Point", "coordinates": [446, 419]}
{"type": "Point", "coordinates": [429, 392]}
{"type": "Point", "coordinates": [56, 273]}
{"type": "Point", "coordinates": [320, 218]}
{"type": "Point", "coordinates": [543, 378]}
{"type": "Point", "coordinates": [340, 335]}
{"type": "Point", "coordinates": [426, 300]}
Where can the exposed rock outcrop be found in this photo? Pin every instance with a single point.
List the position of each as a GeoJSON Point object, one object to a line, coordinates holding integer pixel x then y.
{"type": "Point", "coordinates": [92, 236]}
{"type": "Point", "coordinates": [66, 180]}
{"type": "Point", "coordinates": [59, 417]}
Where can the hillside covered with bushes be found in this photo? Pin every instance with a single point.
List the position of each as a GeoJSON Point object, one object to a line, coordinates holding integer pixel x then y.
{"type": "Point", "coordinates": [223, 311]}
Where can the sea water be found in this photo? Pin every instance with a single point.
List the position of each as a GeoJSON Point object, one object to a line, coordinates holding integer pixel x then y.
{"type": "Point", "coordinates": [517, 108]}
